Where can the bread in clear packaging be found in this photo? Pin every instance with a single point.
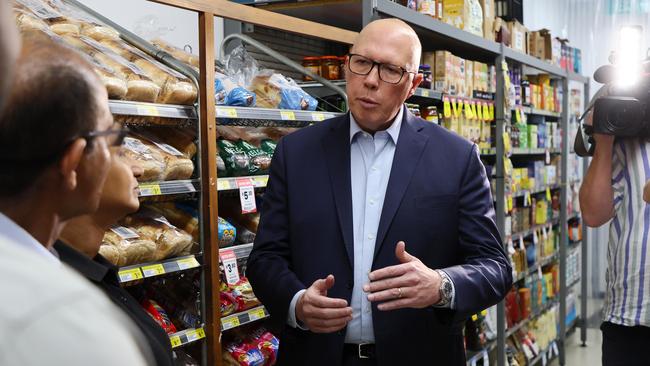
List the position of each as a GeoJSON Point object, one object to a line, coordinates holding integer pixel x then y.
{"type": "Point", "coordinates": [170, 240]}
{"type": "Point", "coordinates": [132, 250]}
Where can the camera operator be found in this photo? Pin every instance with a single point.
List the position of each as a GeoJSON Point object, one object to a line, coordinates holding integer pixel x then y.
{"type": "Point", "coordinates": [613, 190]}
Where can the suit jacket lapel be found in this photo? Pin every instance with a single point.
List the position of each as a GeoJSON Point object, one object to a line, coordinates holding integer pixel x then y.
{"type": "Point", "coordinates": [336, 145]}
{"type": "Point", "coordinates": [410, 146]}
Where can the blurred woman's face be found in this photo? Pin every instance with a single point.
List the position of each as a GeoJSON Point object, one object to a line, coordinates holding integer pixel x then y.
{"type": "Point", "coordinates": [120, 193]}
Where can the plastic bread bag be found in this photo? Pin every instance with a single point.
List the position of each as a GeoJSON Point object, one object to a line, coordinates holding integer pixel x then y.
{"type": "Point", "coordinates": [177, 166]}
{"type": "Point", "coordinates": [175, 87]}
{"type": "Point", "coordinates": [226, 233]}
{"type": "Point", "coordinates": [227, 92]}
{"type": "Point", "coordinates": [236, 160]}
{"type": "Point", "coordinates": [151, 161]}
{"type": "Point", "coordinates": [122, 246]}
{"type": "Point", "coordinates": [253, 135]}
{"type": "Point", "coordinates": [243, 293]}
{"type": "Point", "coordinates": [169, 239]}
{"type": "Point", "coordinates": [159, 315]}
{"type": "Point", "coordinates": [273, 90]}
{"type": "Point", "coordinates": [87, 25]}
{"type": "Point", "coordinates": [28, 21]}
{"type": "Point", "coordinates": [229, 133]}
{"type": "Point", "coordinates": [184, 140]}
{"type": "Point", "coordinates": [268, 146]}
{"type": "Point", "coordinates": [259, 159]}
{"type": "Point", "coordinates": [177, 53]}
{"type": "Point", "coordinates": [267, 343]}
{"type": "Point", "coordinates": [240, 67]}
{"type": "Point", "coordinates": [181, 215]}
{"type": "Point", "coordinates": [227, 300]}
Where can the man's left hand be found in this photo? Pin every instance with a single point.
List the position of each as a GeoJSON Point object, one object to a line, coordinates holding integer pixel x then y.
{"type": "Point", "coordinates": [409, 284]}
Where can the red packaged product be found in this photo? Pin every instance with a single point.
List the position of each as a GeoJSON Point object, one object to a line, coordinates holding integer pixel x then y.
{"type": "Point", "coordinates": [159, 315]}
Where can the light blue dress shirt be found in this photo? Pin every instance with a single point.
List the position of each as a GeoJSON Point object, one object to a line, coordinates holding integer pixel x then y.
{"type": "Point", "coordinates": [371, 160]}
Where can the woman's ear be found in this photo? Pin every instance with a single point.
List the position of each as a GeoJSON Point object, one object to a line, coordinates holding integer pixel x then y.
{"type": "Point", "coordinates": [70, 162]}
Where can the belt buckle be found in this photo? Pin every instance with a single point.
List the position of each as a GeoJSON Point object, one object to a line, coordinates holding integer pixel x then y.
{"type": "Point", "coordinates": [362, 356]}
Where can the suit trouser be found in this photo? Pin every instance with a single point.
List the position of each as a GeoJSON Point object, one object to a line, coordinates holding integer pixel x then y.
{"type": "Point", "coordinates": [625, 346]}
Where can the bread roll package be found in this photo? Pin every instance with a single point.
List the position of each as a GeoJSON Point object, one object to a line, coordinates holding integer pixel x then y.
{"type": "Point", "coordinates": [180, 215]}
{"type": "Point", "coordinates": [170, 240]}
{"type": "Point", "coordinates": [177, 53]}
{"type": "Point", "coordinates": [175, 87]}
{"type": "Point", "coordinates": [183, 140]}
{"type": "Point", "coordinates": [27, 21]}
{"type": "Point", "coordinates": [86, 25]}
{"type": "Point", "coordinates": [123, 246]}
{"type": "Point", "coordinates": [150, 160]}
{"type": "Point", "coordinates": [177, 166]}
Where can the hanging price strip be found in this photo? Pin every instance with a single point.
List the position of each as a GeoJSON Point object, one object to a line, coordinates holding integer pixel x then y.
{"type": "Point", "coordinates": [175, 341]}
{"type": "Point", "coordinates": [229, 261]}
{"type": "Point", "coordinates": [486, 112]}
{"type": "Point", "coordinates": [535, 237]}
{"type": "Point", "coordinates": [474, 113]}
{"type": "Point", "coordinates": [479, 111]}
{"type": "Point", "coordinates": [287, 115]}
{"type": "Point", "coordinates": [539, 272]}
{"type": "Point", "coordinates": [517, 116]}
{"type": "Point", "coordinates": [446, 108]}
{"type": "Point", "coordinates": [229, 323]}
{"type": "Point", "coordinates": [510, 204]}
{"type": "Point", "coordinates": [491, 111]}
{"type": "Point", "coordinates": [468, 110]}
{"type": "Point", "coordinates": [548, 194]}
{"type": "Point", "coordinates": [527, 199]}
{"type": "Point", "coordinates": [454, 106]}
{"type": "Point", "coordinates": [545, 234]}
{"type": "Point", "coordinates": [247, 199]}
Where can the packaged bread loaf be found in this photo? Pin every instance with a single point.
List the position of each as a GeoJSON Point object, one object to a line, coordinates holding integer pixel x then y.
{"type": "Point", "coordinates": [178, 53]}
{"type": "Point", "coordinates": [85, 24]}
{"type": "Point", "coordinates": [150, 160]}
{"type": "Point", "coordinates": [175, 87]}
{"type": "Point", "coordinates": [229, 133]}
{"type": "Point", "coordinates": [170, 240]}
{"type": "Point", "coordinates": [177, 165]}
{"type": "Point", "coordinates": [273, 90]}
{"type": "Point", "coordinates": [180, 215]}
{"type": "Point", "coordinates": [183, 140]}
{"type": "Point", "coordinates": [259, 159]}
{"type": "Point", "coordinates": [27, 21]}
{"type": "Point", "coordinates": [123, 246]}
{"type": "Point", "coordinates": [236, 160]}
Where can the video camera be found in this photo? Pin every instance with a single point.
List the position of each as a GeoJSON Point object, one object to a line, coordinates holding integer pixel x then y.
{"type": "Point", "coordinates": [622, 106]}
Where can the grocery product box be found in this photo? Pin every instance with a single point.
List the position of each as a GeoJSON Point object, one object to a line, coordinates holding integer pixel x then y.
{"type": "Point", "coordinates": [459, 78]}
{"type": "Point", "coordinates": [540, 44]}
{"type": "Point", "coordinates": [556, 51]}
{"type": "Point", "coordinates": [469, 78]}
{"type": "Point", "coordinates": [489, 15]}
{"type": "Point", "coordinates": [517, 36]}
{"type": "Point", "coordinates": [444, 72]}
{"type": "Point", "coordinates": [429, 58]}
{"type": "Point", "coordinates": [532, 136]}
{"type": "Point", "coordinates": [464, 14]}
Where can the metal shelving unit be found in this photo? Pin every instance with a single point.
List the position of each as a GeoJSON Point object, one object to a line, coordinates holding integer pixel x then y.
{"type": "Point", "coordinates": [153, 269]}
{"type": "Point", "coordinates": [244, 317]}
{"type": "Point", "coordinates": [173, 187]}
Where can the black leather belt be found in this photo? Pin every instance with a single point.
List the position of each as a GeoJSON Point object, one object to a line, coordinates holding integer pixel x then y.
{"type": "Point", "coordinates": [362, 351]}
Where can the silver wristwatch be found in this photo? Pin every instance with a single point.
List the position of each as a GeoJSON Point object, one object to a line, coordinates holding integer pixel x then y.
{"type": "Point", "coordinates": [446, 289]}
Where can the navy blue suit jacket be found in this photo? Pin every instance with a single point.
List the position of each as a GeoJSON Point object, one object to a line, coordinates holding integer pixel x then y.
{"type": "Point", "coordinates": [438, 201]}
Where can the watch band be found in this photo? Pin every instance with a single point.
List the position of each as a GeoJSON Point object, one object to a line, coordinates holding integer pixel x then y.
{"type": "Point", "coordinates": [445, 290]}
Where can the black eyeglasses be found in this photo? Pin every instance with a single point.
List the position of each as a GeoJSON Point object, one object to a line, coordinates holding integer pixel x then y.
{"type": "Point", "coordinates": [119, 132]}
{"type": "Point", "coordinates": [388, 73]}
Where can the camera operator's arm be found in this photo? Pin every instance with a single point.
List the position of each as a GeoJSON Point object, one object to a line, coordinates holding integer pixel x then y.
{"type": "Point", "coordinates": [596, 193]}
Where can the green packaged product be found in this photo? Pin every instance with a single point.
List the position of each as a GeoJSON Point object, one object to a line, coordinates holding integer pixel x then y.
{"type": "Point", "coordinates": [268, 146]}
{"type": "Point", "coordinates": [260, 160]}
{"type": "Point", "coordinates": [236, 160]}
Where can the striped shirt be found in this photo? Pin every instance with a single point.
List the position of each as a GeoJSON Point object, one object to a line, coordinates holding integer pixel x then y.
{"type": "Point", "coordinates": [628, 272]}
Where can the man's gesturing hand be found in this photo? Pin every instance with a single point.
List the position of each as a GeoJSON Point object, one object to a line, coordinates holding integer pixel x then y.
{"type": "Point", "coordinates": [410, 284]}
{"type": "Point", "coordinates": [322, 314]}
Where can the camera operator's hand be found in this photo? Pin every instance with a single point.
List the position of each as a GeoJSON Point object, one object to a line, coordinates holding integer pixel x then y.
{"type": "Point", "coordinates": [601, 139]}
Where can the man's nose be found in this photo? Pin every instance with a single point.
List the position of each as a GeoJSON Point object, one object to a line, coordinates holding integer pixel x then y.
{"type": "Point", "coordinates": [371, 80]}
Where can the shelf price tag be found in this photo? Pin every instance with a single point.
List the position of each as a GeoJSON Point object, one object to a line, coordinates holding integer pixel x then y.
{"type": "Point", "coordinates": [479, 111]}
{"type": "Point", "coordinates": [256, 314]}
{"type": "Point", "coordinates": [446, 108]}
{"type": "Point", "coordinates": [491, 111]}
{"type": "Point", "coordinates": [200, 333]}
{"type": "Point", "coordinates": [148, 110]}
{"type": "Point", "coordinates": [175, 341]}
{"type": "Point", "coordinates": [535, 237]}
{"type": "Point", "coordinates": [222, 184]}
{"type": "Point", "coordinates": [527, 199]}
{"type": "Point", "coordinates": [153, 270]}
{"type": "Point", "coordinates": [509, 203]}
{"type": "Point", "coordinates": [133, 274]}
{"type": "Point", "coordinates": [468, 110]}
{"type": "Point", "coordinates": [517, 115]}
{"type": "Point", "coordinates": [317, 117]}
{"type": "Point", "coordinates": [287, 115]}
{"type": "Point", "coordinates": [229, 261]}
{"type": "Point", "coordinates": [150, 190]}
{"type": "Point", "coordinates": [226, 112]}
{"type": "Point", "coordinates": [229, 323]}
{"type": "Point", "coordinates": [486, 112]}
{"type": "Point", "coordinates": [474, 317]}
{"type": "Point", "coordinates": [425, 93]}
{"type": "Point", "coordinates": [247, 199]}
{"type": "Point", "coordinates": [187, 263]}
{"type": "Point", "coordinates": [548, 194]}
{"type": "Point", "coordinates": [474, 113]}
{"type": "Point", "coordinates": [539, 272]}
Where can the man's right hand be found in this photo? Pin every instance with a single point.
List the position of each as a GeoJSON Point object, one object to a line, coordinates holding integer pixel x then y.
{"type": "Point", "coordinates": [322, 314]}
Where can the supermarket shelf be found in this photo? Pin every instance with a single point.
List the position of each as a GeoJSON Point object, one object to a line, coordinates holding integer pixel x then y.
{"type": "Point", "coordinates": [432, 95]}
{"type": "Point", "coordinates": [530, 231]}
{"type": "Point", "coordinates": [531, 61]}
{"type": "Point", "coordinates": [245, 317]}
{"type": "Point", "coordinates": [475, 356]}
{"type": "Point", "coordinates": [577, 77]}
{"type": "Point", "coordinates": [168, 188]}
{"type": "Point", "coordinates": [317, 89]}
{"type": "Point", "coordinates": [574, 245]}
{"type": "Point", "coordinates": [517, 151]}
{"type": "Point", "coordinates": [538, 112]}
{"type": "Point", "coordinates": [146, 270]}
{"type": "Point", "coordinates": [259, 117]}
{"type": "Point", "coordinates": [227, 184]}
{"type": "Point", "coordinates": [121, 107]}
{"type": "Point", "coordinates": [524, 322]}
{"type": "Point", "coordinates": [546, 355]}
{"type": "Point", "coordinates": [572, 325]}
{"type": "Point", "coordinates": [241, 251]}
{"type": "Point", "coordinates": [186, 336]}
{"type": "Point", "coordinates": [489, 152]}
{"type": "Point", "coordinates": [541, 263]}
{"type": "Point", "coordinates": [542, 190]}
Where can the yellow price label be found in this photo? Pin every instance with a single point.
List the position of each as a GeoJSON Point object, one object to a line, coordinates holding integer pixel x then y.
{"type": "Point", "coordinates": [446, 108]}
{"type": "Point", "coordinates": [132, 274]}
{"type": "Point", "coordinates": [425, 93]}
{"type": "Point", "coordinates": [509, 203]}
{"type": "Point", "coordinates": [474, 114]}
{"type": "Point", "coordinates": [150, 190]}
{"type": "Point", "coordinates": [261, 181]}
{"type": "Point", "coordinates": [200, 333]}
{"type": "Point", "coordinates": [474, 317]}
{"type": "Point", "coordinates": [186, 263]}
{"type": "Point", "coordinates": [226, 112]}
{"type": "Point", "coordinates": [491, 111]}
{"type": "Point", "coordinates": [468, 110]}
{"type": "Point", "coordinates": [175, 341]}
{"type": "Point", "coordinates": [229, 323]}
{"type": "Point", "coordinates": [484, 312]}
{"type": "Point", "coordinates": [517, 116]}
{"type": "Point", "coordinates": [479, 112]}
{"type": "Point", "coordinates": [287, 115]}
{"type": "Point", "coordinates": [317, 117]}
{"type": "Point", "coordinates": [257, 314]}
{"type": "Point", "coordinates": [486, 112]}
{"type": "Point", "coordinates": [153, 270]}
{"type": "Point", "coordinates": [548, 194]}
{"type": "Point", "coordinates": [148, 110]}
{"type": "Point", "coordinates": [506, 142]}
{"type": "Point", "coordinates": [222, 184]}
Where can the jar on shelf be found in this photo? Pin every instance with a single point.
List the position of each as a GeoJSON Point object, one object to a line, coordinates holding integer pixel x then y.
{"type": "Point", "coordinates": [330, 67]}
{"type": "Point", "coordinates": [312, 64]}
{"type": "Point", "coordinates": [431, 114]}
{"type": "Point", "coordinates": [427, 7]}
{"type": "Point", "coordinates": [342, 69]}
{"type": "Point", "coordinates": [427, 79]}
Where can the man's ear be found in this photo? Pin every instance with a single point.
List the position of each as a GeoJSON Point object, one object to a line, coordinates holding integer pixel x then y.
{"type": "Point", "coordinates": [417, 79]}
{"type": "Point", "coordinates": [70, 162]}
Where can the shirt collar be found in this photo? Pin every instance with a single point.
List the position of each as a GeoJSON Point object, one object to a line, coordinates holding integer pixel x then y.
{"type": "Point", "coordinates": [93, 269]}
{"type": "Point", "coordinates": [393, 130]}
{"type": "Point", "coordinates": [20, 236]}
